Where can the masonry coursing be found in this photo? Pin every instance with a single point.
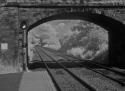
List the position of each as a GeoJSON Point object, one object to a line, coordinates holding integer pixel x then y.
{"type": "Point", "coordinates": [10, 19]}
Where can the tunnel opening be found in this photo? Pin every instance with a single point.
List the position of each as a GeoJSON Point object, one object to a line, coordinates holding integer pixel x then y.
{"type": "Point", "coordinates": [77, 38]}
{"type": "Point", "coordinates": [95, 23]}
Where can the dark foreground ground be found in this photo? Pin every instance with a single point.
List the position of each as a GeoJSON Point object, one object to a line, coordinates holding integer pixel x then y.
{"type": "Point", "coordinates": [27, 81]}
{"type": "Point", "coordinates": [39, 80]}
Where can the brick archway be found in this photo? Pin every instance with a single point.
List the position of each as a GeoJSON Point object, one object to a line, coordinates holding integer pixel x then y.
{"type": "Point", "coordinates": [116, 32]}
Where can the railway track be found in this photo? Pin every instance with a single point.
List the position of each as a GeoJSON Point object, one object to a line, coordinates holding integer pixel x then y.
{"type": "Point", "coordinates": [90, 62]}
{"type": "Point", "coordinates": [86, 86]}
{"type": "Point", "coordinates": [98, 65]}
{"type": "Point", "coordinates": [83, 83]}
{"type": "Point", "coordinates": [109, 77]}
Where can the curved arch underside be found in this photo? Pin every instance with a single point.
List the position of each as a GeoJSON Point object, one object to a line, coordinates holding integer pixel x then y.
{"type": "Point", "coordinates": [116, 32]}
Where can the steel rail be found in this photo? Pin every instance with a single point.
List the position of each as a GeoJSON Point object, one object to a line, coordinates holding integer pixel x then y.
{"type": "Point", "coordinates": [72, 74]}
{"type": "Point", "coordinates": [120, 82]}
{"type": "Point", "coordinates": [115, 71]}
{"type": "Point", "coordinates": [99, 65]}
{"type": "Point", "coordinates": [113, 79]}
{"type": "Point", "coordinates": [48, 70]}
{"type": "Point", "coordinates": [94, 63]}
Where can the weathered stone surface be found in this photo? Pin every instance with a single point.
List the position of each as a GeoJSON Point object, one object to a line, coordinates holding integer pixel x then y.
{"type": "Point", "coordinates": [8, 34]}
{"type": "Point", "coordinates": [9, 21]}
{"type": "Point", "coordinates": [66, 2]}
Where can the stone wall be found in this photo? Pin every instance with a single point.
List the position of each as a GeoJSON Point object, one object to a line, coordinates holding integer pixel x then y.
{"type": "Point", "coordinates": [10, 20]}
{"type": "Point", "coordinates": [8, 34]}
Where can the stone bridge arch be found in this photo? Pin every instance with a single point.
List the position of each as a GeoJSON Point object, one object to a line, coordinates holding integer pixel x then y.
{"type": "Point", "coordinates": [116, 31]}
